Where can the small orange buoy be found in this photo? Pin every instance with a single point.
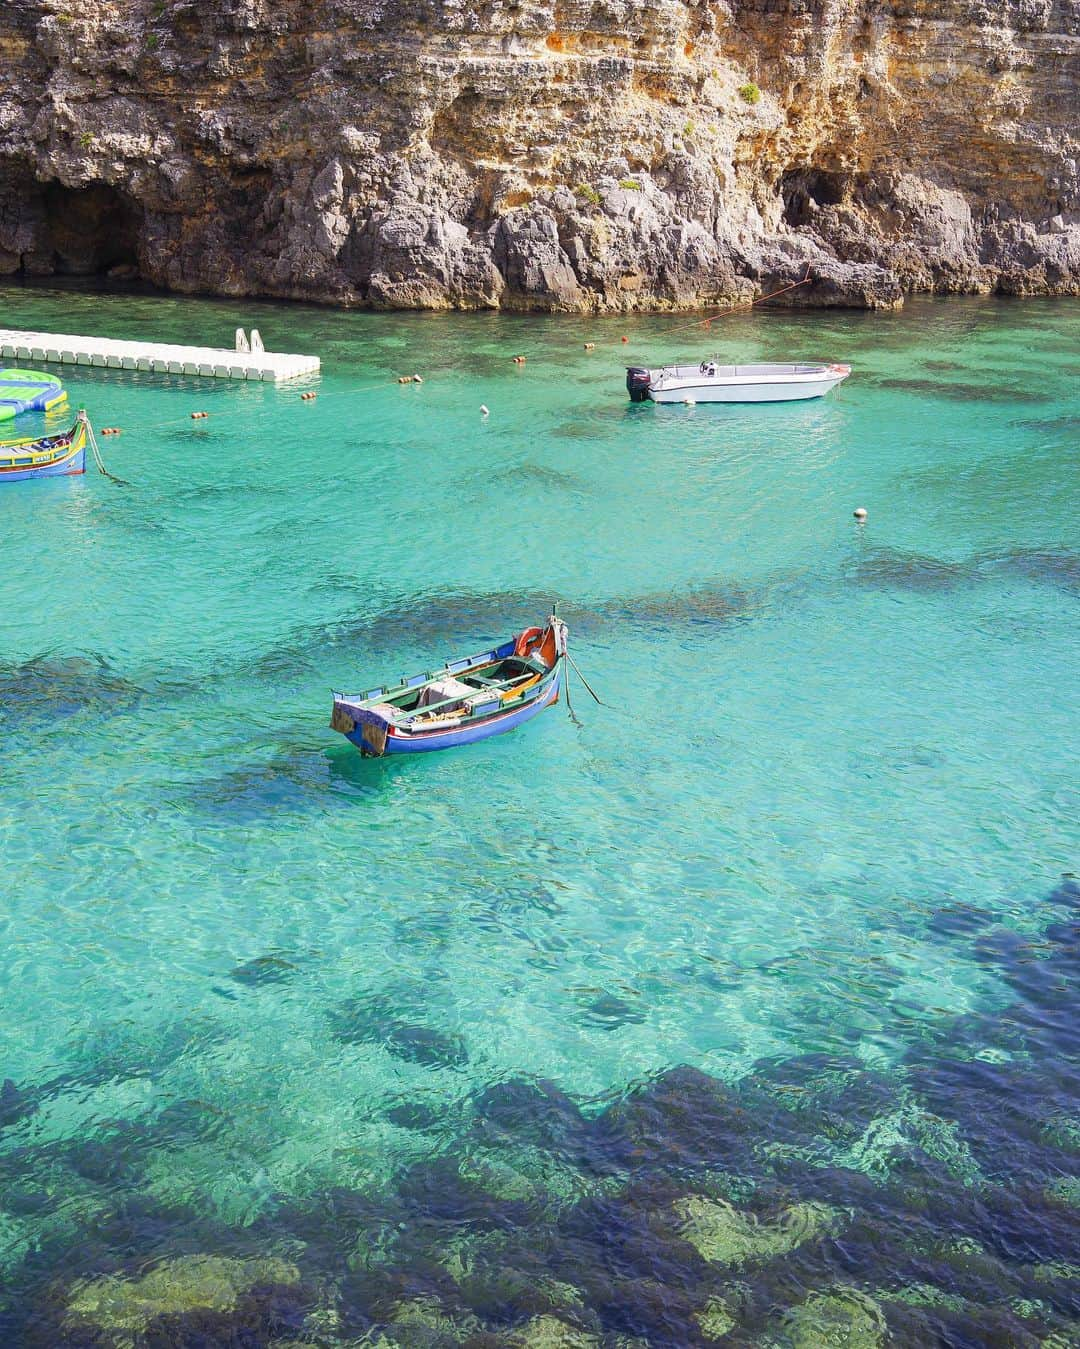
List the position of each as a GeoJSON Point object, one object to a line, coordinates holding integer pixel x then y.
{"type": "Point", "coordinates": [110, 430]}
{"type": "Point", "coordinates": [624, 339]}
{"type": "Point", "coordinates": [199, 416]}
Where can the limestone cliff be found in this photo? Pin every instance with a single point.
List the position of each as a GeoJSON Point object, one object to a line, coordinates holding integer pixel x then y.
{"type": "Point", "coordinates": [553, 154]}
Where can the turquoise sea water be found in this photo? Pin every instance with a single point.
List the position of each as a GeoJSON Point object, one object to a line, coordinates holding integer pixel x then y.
{"type": "Point", "coordinates": [749, 1002]}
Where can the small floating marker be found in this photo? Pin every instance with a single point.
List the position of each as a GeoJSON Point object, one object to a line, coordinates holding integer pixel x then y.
{"type": "Point", "coordinates": [483, 410]}
{"type": "Point", "coordinates": [404, 379]}
{"type": "Point", "coordinates": [199, 416]}
{"type": "Point", "coordinates": [519, 360]}
{"type": "Point", "coordinates": [308, 397]}
{"type": "Point", "coordinates": [417, 380]}
{"type": "Point", "coordinates": [860, 514]}
{"type": "Point", "coordinates": [624, 339]}
{"type": "Point", "coordinates": [110, 430]}
{"type": "Point", "coordinates": [590, 346]}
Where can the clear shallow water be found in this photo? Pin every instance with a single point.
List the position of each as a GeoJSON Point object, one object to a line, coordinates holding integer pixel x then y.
{"type": "Point", "coordinates": [751, 1000]}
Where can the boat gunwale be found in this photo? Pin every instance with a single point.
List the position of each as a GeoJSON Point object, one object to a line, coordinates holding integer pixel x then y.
{"type": "Point", "coordinates": [492, 701]}
{"type": "Point", "coordinates": [38, 454]}
{"type": "Point", "coordinates": [676, 376]}
{"type": "Point", "coordinates": [462, 665]}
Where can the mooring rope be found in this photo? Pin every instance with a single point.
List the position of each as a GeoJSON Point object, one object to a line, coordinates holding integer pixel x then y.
{"type": "Point", "coordinates": [121, 482]}
{"type": "Point", "coordinates": [573, 662]}
{"type": "Point", "coordinates": [569, 705]}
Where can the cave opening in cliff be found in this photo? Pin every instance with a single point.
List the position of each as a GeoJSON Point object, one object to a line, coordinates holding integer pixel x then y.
{"type": "Point", "coordinates": [806, 189]}
{"type": "Point", "coordinates": [91, 231]}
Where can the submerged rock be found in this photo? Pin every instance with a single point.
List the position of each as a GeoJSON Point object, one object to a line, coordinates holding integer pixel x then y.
{"type": "Point", "coordinates": [1057, 567]}
{"type": "Point", "coordinates": [960, 920]}
{"type": "Point", "coordinates": [187, 1283]}
{"type": "Point", "coordinates": [1067, 893]}
{"type": "Point", "coordinates": [423, 1323]}
{"type": "Point", "coordinates": [890, 568]}
{"type": "Point", "coordinates": [683, 1117]}
{"type": "Point", "coordinates": [610, 1012]}
{"type": "Point", "coordinates": [548, 1332]}
{"type": "Point", "coordinates": [418, 1116]}
{"type": "Point", "coordinates": [716, 1319]}
{"type": "Point", "coordinates": [530, 1112]}
{"type": "Point", "coordinates": [263, 970]}
{"type": "Point", "coordinates": [15, 1103]}
{"type": "Point", "coordinates": [842, 1318]}
{"type": "Point", "coordinates": [374, 1020]}
{"type": "Point", "coordinates": [815, 1097]}
{"type": "Point", "coordinates": [47, 688]}
{"type": "Point", "coordinates": [725, 1235]}
{"type": "Point", "coordinates": [426, 1045]}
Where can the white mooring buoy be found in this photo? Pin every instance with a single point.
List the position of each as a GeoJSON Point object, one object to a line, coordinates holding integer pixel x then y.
{"type": "Point", "coordinates": [860, 513]}
{"type": "Point", "coordinates": [483, 410]}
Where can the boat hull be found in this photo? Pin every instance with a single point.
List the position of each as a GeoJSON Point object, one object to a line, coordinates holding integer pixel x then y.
{"type": "Point", "coordinates": [709, 392]}
{"type": "Point", "coordinates": [424, 742]}
{"type": "Point", "coordinates": [73, 468]}
{"type": "Point", "coordinates": [48, 457]}
{"type": "Point", "coordinates": [710, 382]}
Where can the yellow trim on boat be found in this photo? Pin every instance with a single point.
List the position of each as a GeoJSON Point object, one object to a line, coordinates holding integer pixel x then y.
{"type": "Point", "coordinates": [20, 454]}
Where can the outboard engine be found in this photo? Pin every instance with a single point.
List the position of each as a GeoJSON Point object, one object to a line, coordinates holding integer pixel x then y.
{"type": "Point", "coordinates": [638, 380]}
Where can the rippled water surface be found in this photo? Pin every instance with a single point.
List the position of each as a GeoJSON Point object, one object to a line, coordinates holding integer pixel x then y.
{"type": "Point", "coordinates": [743, 1012]}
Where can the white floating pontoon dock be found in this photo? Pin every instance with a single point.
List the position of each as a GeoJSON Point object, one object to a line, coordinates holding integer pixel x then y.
{"type": "Point", "coordinates": [159, 357]}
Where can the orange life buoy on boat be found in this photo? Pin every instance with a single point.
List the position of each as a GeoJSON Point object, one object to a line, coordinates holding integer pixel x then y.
{"type": "Point", "coordinates": [527, 643]}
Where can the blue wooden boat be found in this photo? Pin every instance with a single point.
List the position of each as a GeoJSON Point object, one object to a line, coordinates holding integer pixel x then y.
{"type": "Point", "coordinates": [46, 456]}
{"type": "Point", "coordinates": [467, 700]}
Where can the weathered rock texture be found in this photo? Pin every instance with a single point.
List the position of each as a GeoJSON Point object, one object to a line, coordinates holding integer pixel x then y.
{"type": "Point", "coordinates": [548, 154]}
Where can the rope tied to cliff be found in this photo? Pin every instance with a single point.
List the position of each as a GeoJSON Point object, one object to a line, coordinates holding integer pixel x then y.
{"type": "Point", "coordinates": [746, 304]}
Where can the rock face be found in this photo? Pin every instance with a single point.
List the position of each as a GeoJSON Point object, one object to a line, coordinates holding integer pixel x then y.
{"type": "Point", "coordinates": [544, 154]}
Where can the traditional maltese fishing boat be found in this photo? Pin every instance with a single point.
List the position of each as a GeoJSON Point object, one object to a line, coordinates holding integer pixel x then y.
{"type": "Point", "coordinates": [28, 391]}
{"type": "Point", "coordinates": [468, 699]}
{"type": "Point", "coordinates": [711, 382]}
{"type": "Point", "coordinates": [46, 456]}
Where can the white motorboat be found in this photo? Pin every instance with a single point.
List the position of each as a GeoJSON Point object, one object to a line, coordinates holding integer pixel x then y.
{"type": "Point", "coordinates": [711, 382]}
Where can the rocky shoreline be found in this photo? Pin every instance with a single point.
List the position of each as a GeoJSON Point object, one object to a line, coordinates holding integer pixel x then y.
{"type": "Point", "coordinates": [615, 156]}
